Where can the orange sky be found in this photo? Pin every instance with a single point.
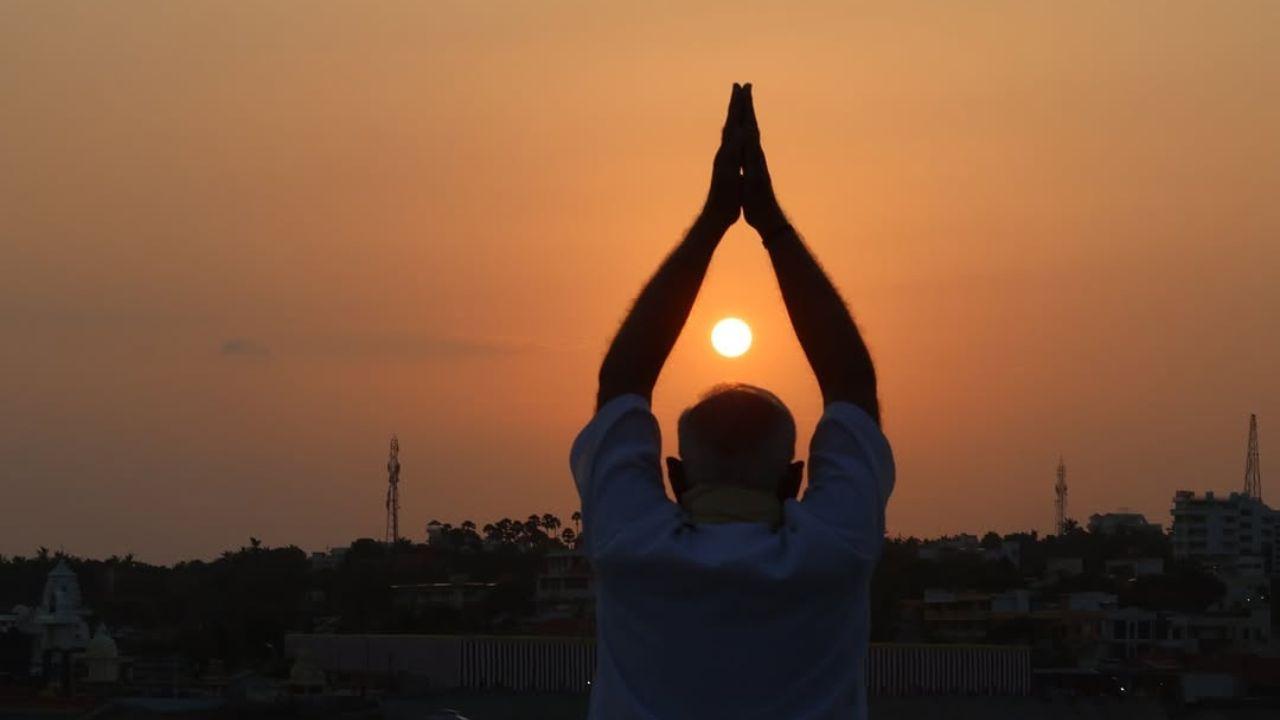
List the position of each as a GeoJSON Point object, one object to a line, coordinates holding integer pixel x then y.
{"type": "Point", "coordinates": [242, 244]}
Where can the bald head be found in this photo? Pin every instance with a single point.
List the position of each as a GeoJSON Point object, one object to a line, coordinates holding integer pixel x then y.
{"type": "Point", "coordinates": [738, 435]}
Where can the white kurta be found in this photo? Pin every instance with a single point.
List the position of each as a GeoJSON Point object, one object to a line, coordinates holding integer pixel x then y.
{"type": "Point", "coordinates": [735, 620]}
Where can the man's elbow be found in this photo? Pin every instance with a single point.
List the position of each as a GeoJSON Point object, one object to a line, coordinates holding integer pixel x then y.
{"type": "Point", "coordinates": [607, 383]}
{"type": "Point", "coordinates": [615, 382]}
{"type": "Point", "coordinates": [856, 391]}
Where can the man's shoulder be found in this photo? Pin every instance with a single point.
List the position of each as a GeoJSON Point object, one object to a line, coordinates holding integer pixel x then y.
{"type": "Point", "coordinates": [599, 434]}
{"type": "Point", "coordinates": [853, 419]}
{"type": "Point", "coordinates": [848, 441]}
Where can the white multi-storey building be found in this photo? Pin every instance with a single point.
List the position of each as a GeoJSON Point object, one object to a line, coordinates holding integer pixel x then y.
{"type": "Point", "coordinates": [1214, 527]}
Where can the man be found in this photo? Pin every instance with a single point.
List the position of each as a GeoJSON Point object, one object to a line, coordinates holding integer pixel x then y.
{"type": "Point", "coordinates": [738, 600]}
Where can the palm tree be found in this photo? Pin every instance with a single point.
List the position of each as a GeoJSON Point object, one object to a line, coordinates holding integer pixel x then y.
{"type": "Point", "coordinates": [576, 517]}
{"type": "Point", "coordinates": [551, 524]}
{"type": "Point", "coordinates": [507, 531]}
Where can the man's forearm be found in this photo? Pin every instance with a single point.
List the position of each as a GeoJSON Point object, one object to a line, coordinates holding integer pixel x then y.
{"type": "Point", "coordinates": [822, 322]}
{"type": "Point", "coordinates": [651, 329]}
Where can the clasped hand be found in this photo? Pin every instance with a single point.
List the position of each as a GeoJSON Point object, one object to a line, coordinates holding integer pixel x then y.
{"type": "Point", "coordinates": [740, 180]}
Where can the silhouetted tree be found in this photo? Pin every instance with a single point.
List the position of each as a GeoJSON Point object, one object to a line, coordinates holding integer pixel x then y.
{"type": "Point", "coordinates": [551, 524]}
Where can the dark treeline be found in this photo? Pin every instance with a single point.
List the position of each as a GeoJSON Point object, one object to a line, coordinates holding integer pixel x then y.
{"type": "Point", "coordinates": [903, 574]}
{"type": "Point", "coordinates": [239, 607]}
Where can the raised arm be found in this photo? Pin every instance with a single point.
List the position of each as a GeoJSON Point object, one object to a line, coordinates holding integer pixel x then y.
{"type": "Point", "coordinates": [646, 337]}
{"type": "Point", "coordinates": [821, 319]}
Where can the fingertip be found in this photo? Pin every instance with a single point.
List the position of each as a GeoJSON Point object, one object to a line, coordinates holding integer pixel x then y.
{"type": "Point", "coordinates": [731, 114]}
{"type": "Point", "coordinates": [735, 108]}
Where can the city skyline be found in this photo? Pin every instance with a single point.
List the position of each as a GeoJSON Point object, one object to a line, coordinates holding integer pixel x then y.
{"type": "Point", "coordinates": [1062, 523]}
{"type": "Point", "coordinates": [243, 246]}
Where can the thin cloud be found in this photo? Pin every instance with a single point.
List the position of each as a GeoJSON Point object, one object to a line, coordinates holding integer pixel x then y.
{"type": "Point", "coordinates": [243, 347]}
{"type": "Point", "coordinates": [415, 348]}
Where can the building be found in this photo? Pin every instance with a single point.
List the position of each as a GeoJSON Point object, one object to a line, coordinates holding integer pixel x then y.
{"type": "Point", "coordinates": [1135, 567]}
{"type": "Point", "coordinates": [101, 662]}
{"type": "Point", "coordinates": [1215, 528]}
{"type": "Point", "coordinates": [565, 594]}
{"type": "Point", "coordinates": [328, 559]}
{"type": "Point", "coordinates": [967, 544]}
{"type": "Point", "coordinates": [1060, 567]}
{"type": "Point", "coordinates": [49, 640]}
{"type": "Point", "coordinates": [937, 549]}
{"type": "Point", "coordinates": [1134, 632]}
{"type": "Point", "coordinates": [457, 594]}
{"type": "Point", "coordinates": [1090, 601]}
{"type": "Point", "coordinates": [959, 617]}
{"type": "Point", "coordinates": [1011, 602]}
{"type": "Point", "coordinates": [436, 533]}
{"type": "Point", "coordinates": [1245, 581]}
{"type": "Point", "coordinates": [57, 627]}
{"type": "Point", "coordinates": [1010, 550]}
{"type": "Point", "coordinates": [1114, 522]}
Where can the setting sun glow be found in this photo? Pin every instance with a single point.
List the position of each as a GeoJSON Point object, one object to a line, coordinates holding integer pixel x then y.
{"type": "Point", "coordinates": [731, 337]}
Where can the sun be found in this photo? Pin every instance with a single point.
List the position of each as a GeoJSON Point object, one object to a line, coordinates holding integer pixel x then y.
{"type": "Point", "coordinates": [731, 337]}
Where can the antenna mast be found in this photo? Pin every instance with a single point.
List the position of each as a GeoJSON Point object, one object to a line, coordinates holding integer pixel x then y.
{"type": "Point", "coordinates": [393, 492]}
{"type": "Point", "coordinates": [1060, 503]}
{"type": "Point", "coordinates": [1252, 467]}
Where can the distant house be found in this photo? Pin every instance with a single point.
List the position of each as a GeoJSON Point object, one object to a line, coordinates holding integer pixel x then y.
{"type": "Point", "coordinates": [963, 543]}
{"type": "Point", "coordinates": [1113, 522]}
{"type": "Point", "coordinates": [1011, 602]}
{"type": "Point", "coordinates": [1064, 566]}
{"type": "Point", "coordinates": [1010, 550]}
{"type": "Point", "coordinates": [1091, 601]}
{"type": "Point", "coordinates": [1245, 582]}
{"type": "Point", "coordinates": [1135, 567]}
{"type": "Point", "coordinates": [565, 595]}
{"type": "Point", "coordinates": [1134, 632]}
{"type": "Point", "coordinates": [435, 533]}
{"type": "Point", "coordinates": [456, 594]}
{"type": "Point", "coordinates": [951, 616]}
{"type": "Point", "coordinates": [328, 559]}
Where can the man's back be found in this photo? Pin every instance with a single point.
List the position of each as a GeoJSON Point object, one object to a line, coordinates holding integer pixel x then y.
{"type": "Point", "coordinates": [737, 619]}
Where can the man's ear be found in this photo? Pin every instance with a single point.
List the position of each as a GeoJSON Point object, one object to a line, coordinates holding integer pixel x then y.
{"type": "Point", "coordinates": [675, 474]}
{"type": "Point", "coordinates": [789, 488]}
